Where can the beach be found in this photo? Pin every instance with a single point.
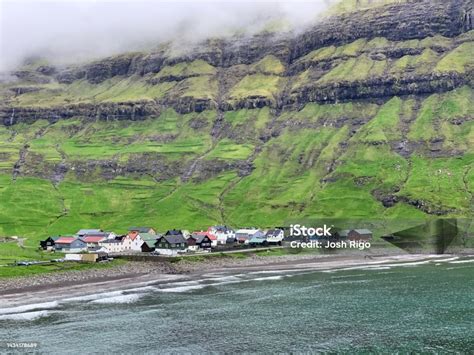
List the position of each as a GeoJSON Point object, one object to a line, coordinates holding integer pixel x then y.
{"type": "Point", "coordinates": [47, 287]}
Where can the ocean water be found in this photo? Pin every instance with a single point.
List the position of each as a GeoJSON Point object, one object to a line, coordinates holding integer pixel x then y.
{"type": "Point", "coordinates": [410, 307]}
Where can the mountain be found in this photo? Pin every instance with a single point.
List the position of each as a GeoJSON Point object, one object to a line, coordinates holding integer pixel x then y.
{"type": "Point", "coordinates": [367, 114]}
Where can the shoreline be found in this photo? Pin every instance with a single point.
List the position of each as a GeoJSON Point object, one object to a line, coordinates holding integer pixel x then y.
{"type": "Point", "coordinates": [187, 271]}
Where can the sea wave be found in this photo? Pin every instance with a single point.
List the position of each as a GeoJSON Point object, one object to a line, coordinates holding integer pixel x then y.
{"type": "Point", "coordinates": [27, 316]}
{"type": "Point", "coordinates": [131, 298]}
{"type": "Point", "coordinates": [276, 277]}
{"type": "Point", "coordinates": [462, 261]}
{"type": "Point", "coordinates": [449, 259]}
{"type": "Point", "coordinates": [94, 296]}
{"type": "Point", "coordinates": [29, 307]}
{"type": "Point", "coordinates": [180, 289]}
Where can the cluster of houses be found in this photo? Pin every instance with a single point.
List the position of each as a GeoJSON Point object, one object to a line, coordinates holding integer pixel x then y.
{"type": "Point", "coordinates": [146, 239]}
{"type": "Point", "coordinates": [173, 242]}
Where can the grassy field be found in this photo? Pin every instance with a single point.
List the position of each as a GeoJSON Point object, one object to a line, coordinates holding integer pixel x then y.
{"type": "Point", "coordinates": [286, 181]}
{"type": "Point", "coordinates": [20, 271]}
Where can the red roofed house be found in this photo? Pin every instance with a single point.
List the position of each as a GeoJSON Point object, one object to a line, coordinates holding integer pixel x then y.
{"type": "Point", "coordinates": [92, 241]}
{"type": "Point", "coordinates": [69, 245]}
{"type": "Point", "coordinates": [136, 241]}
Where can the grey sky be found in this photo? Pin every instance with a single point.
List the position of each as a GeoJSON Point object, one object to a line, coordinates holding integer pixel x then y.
{"type": "Point", "coordinates": [75, 30]}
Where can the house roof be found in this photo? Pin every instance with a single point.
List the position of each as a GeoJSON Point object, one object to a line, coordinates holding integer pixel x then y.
{"type": "Point", "coordinates": [363, 231]}
{"type": "Point", "coordinates": [198, 238]}
{"type": "Point", "coordinates": [148, 237]}
{"type": "Point", "coordinates": [221, 228]}
{"type": "Point", "coordinates": [174, 232]}
{"type": "Point", "coordinates": [174, 239]}
{"type": "Point", "coordinates": [208, 234]}
{"type": "Point", "coordinates": [140, 229]}
{"type": "Point", "coordinates": [247, 230]}
{"type": "Point", "coordinates": [112, 241]}
{"type": "Point", "coordinates": [345, 232]}
{"type": "Point", "coordinates": [65, 240]}
{"type": "Point", "coordinates": [273, 232]}
{"type": "Point", "coordinates": [134, 235]}
{"type": "Point", "coordinates": [89, 231]}
{"type": "Point", "coordinates": [92, 239]}
{"type": "Point", "coordinates": [121, 237]}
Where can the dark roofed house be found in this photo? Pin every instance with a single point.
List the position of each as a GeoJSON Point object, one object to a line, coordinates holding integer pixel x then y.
{"type": "Point", "coordinates": [355, 234]}
{"type": "Point", "coordinates": [170, 244]}
{"type": "Point", "coordinates": [174, 232]}
{"type": "Point", "coordinates": [275, 236]}
{"type": "Point", "coordinates": [199, 240]}
{"type": "Point", "coordinates": [83, 232]}
{"type": "Point", "coordinates": [48, 244]}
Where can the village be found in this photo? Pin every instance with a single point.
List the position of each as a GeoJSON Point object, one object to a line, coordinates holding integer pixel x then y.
{"type": "Point", "coordinates": [95, 244]}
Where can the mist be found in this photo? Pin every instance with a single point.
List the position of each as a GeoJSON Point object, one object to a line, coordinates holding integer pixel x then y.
{"type": "Point", "coordinates": [75, 31]}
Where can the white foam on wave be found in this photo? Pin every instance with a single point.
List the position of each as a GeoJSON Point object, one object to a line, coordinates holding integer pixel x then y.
{"type": "Point", "coordinates": [141, 289]}
{"type": "Point", "coordinates": [350, 281]}
{"type": "Point", "coordinates": [447, 260]}
{"type": "Point", "coordinates": [228, 278]}
{"type": "Point", "coordinates": [276, 271]}
{"type": "Point", "coordinates": [131, 298]}
{"type": "Point", "coordinates": [93, 297]}
{"type": "Point", "coordinates": [415, 263]}
{"type": "Point", "coordinates": [462, 261]}
{"type": "Point", "coordinates": [29, 307]}
{"type": "Point", "coordinates": [180, 289]}
{"type": "Point", "coordinates": [27, 316]}
{"type": "Point", "coordinates": [377, 268]}
{"type": "Point", "coordinates": [276, 277]}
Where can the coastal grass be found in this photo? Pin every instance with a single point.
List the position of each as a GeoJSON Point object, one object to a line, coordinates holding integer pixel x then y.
{"type": "Point", "coordinates": [25, 271]}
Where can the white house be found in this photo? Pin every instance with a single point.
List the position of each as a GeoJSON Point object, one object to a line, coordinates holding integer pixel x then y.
{"type": "Point", "coordinates": [120, 244]}
{"type": "Point", "coordinates": [126, 242]}
{"type": "Point", "coordinates": [222, 233]}
{"type": "Point", "coordinates": [136, 242]}
{"type": "Point", "coordinates": [112, 245]}
{"type": "Point", "coordinates": [274, 236]}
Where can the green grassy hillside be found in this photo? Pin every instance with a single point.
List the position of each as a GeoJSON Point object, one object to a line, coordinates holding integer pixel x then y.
{"type": "Point", "coordinates": [372, 128]}
{"type": "Point", "coordinates": [311, 169]}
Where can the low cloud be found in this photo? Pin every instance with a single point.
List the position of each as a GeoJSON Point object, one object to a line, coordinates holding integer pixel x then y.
{"type": "Point", "coordinates": [74, 31]}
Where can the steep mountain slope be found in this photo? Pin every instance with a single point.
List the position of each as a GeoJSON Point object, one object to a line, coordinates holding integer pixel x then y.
{"type": "Point", "coordinates": [368, 115]}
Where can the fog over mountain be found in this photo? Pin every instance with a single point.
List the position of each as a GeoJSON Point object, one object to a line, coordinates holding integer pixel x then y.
{"type": "Point", "coordinates": [71, 31]}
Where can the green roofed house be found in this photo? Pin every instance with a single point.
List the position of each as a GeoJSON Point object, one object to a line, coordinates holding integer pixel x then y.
{"type": "Point", "coordinates": [355, 234]}
{"type": "Point", "coordinates": [149, 241]}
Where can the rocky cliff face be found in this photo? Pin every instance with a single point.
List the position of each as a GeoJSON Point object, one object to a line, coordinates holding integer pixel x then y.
{"type": "Point", "coordinates": [364, 114]}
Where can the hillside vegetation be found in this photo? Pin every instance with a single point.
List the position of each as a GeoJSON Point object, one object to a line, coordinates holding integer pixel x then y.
{"type": "Point", "coordinates": [370, 127]}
